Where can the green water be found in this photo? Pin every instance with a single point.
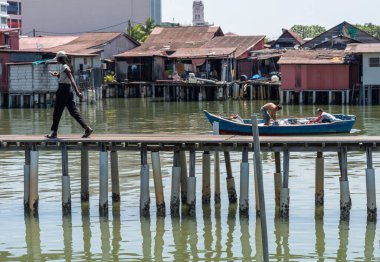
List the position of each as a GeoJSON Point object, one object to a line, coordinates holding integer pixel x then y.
{"type": "Point", "coordinates": [216, 233]}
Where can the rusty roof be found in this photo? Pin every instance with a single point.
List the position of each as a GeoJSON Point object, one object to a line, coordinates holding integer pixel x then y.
{"type": "Point", "coordinates": [88, 43]}
{"type": "Point", "coordinates": [164, 39]}
{"type": "Point", "coordinates": [312, 57]}
{"type": "Point", "coordinates": [363, 48]}
{"type": "Point", "coordinates": [267, 53]}
{"type": "Point", "coordinates": [40, 43]}
{"type": "Point", "coordinates": [242, 44]}
{"type": "Point", "coordinates": [201, 52]}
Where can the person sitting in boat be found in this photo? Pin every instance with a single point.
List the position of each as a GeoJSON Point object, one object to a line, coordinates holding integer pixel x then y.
{"type": "Point", "coordinates": [323, 117]}
{"type": "Point", "coordinates": [269, 111]}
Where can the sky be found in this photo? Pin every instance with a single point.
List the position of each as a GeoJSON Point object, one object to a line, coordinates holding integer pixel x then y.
{"type": "Point", "coordinates": [250, 17]}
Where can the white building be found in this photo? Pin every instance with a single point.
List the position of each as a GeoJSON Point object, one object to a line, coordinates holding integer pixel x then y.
{"type": "Point", "coordinates": [49, 17]}
{"type": "Point", "coordinates": [4, 14]}
{"type": "Point", "coordinates": [198, 13]}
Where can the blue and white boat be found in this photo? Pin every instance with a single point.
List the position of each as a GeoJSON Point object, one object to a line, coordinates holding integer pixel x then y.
{"type": "Point", "coordinates": [286, 126]}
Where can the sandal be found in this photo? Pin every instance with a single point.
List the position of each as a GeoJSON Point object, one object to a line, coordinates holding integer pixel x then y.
{"type": "Point", "coordinates": [52, 135]}
{"type": "Point", "coordinates": [87, 132]}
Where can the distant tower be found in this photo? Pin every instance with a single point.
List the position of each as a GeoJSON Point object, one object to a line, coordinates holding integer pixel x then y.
{"type": "Point", "coordinates": [198, 13]}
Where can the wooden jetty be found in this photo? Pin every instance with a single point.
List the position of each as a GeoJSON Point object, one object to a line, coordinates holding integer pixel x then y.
{"type": "Point", "coordinates": [183, 171]}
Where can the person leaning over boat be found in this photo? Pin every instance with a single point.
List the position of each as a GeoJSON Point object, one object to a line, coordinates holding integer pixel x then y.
{"type": "Point", "coordinates": [269, 111]}
{"type": "Point", "coordinates": [323, 117]}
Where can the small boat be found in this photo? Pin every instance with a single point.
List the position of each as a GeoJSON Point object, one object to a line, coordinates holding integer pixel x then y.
{"type": "Point", "coordinates": [286, 126]}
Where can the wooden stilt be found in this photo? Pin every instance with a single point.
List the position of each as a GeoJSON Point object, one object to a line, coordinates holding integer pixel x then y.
{"type": "Point", "coordinates": [176, 184]}
{"type": "Point", "coordinates": [115, 176]}
{"type": "Point", "coordinates": [144, 185]}
{"type": "Point", "coordinates": [157, 178]}
{"type": "Point", "coordinates": [206, 173]}
{"type": "Point", "coordinates": [230, 179]}
{"type": "Point", "coordinates": [66, 191]}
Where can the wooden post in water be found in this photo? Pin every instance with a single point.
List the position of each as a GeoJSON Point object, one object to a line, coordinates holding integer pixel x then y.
{"type": "Point", "coordinates": [27, 176]}
{"type": "Point", "coordinates": [33, 189]}
{"type": "Point", "coordinates": [191, 185]}
{"type": "Point", "coordinates": [157, 178]}
{"type": "Point", "coordinates": [244, 183]}
{"type": "Point", "coordinates": [284, 199]}
{"type": "Point", "coordinates": [144, 185]}
{"type": "Point", "coordinates": [277, 178]}
{"type": "Point", "coordinates": [371, 187]}
{"type": "Point", "coordinates": [183, 164]}
{"type": "Point", "coordinates": [206, 173]}
{"type": "Point", "coordinates": [103, 179]}
{"type": "Point", "coordinates": [230, 179]}
{"type": "Point", "coordinates": [84, 174]}
{"type": "Point", "coordinates": [319, 180]}
{"type": "Point", "coordinates": [215, 127]}
{"type": "Point", "coordinates": [176, 184]}
{"type": "Point", "coordinates": [115, 176]}
{"type": "Point", "coordinates": [345, 199]}
{"type": "Point", "coordinates": [260, 182]}
{"type": "Point", "coordinates": [66, 191]}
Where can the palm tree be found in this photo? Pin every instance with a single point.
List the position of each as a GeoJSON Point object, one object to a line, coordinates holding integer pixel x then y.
{"type": "Point", "coordinates": [141, 32]}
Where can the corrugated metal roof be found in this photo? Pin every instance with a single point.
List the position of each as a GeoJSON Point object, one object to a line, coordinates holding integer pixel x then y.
{"type": "Point", "coordinates": [241, 43]}
{"type": "Point", "coordinates": [87, 43]}
{"type": "Point", "coordinates": [43, 42]}
{"type": "Point", "coordinates": [312, 57]}
{"type": "Point", "coordinates": [267, 53]}
{"type": "Point", "coordinates": [363, 48]}
{"type": "Point", "coordinates": [164, 39]}
{"type": "Point", "coordinates": [203, 52]}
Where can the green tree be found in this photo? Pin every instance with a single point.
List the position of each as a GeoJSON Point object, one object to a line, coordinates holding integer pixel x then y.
{"type": "Point", "coordinates": [370, 28]}
{"type": "Point", "coordinates": [141, 32]}
{"type": "Point", "coordinates": [308, 31]}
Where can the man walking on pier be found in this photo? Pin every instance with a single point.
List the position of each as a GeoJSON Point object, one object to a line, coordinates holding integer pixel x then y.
{"type": "Point", "coordinates": [269, 111]}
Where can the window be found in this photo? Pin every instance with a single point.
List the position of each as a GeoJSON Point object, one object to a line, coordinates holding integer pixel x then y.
{"type": "Point", "coordinates": [4, 21]}
{"type": "Point", "coordinates": [374, 62]}
{"type": "Point", "coordinates": [13, 8]}
{"type": "Point", "coordinates": [3, 8]}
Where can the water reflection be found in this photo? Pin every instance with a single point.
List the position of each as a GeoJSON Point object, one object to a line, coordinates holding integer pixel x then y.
{"type": "Point", "coordinates": [32, 237]}
{"type": "Point", "coordinates": [67, 236]}
{"type": "Point", "coordinates": [369, 248]}
{"type": "Point", "coordinates": [344, 229]}
{"type": "Point", "coordinates": [281, 233]}
{"type": "Point", "coordinates": [320, 239]}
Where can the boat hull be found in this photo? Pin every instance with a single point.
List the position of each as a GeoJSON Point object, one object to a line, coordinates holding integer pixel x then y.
{"type": "Point", "coordinates": [227, 126]}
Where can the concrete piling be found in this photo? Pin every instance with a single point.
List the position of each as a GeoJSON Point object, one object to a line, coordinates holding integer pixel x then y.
{"type": "Point", "coordinates": [284, 198]}
{"type": "Point", "coordinates": [206, 180]}
{"type": "Point", "coordinates": [370, 187]}
{"type": "Point", "coordinates": [345, 199]}
{"type": "Point", "coordinates": [183, 164]}
{"type": "Point", "coordinates": [244, 183]}
{"type": "Point", "coordinates": [230, 179]}
{"type": "Point", "coordinates": [176, 184]}
{"type": "Point", "coordinates": [103, 180]}
{"type": "Point", "coordinates": [277, 178]}
{"type": "Point", "coordinates": [115, 176]}
{"type": "Point", "coordinates": [85, 195]}
{"type": "Point", "coordinates": [319, 180]}
{"type": "Point", "coordinates": [144, 185]}
{"type": "Point", "coordinates": [157, 178]}
{"type": "Point", "coordinates": [215, 128]}
{"type": "Point", "coordinates": [33, 181]}
{"type": "Point", "coordinates": [191, 185]}
{"type": "Point", "coordinates": [66, 191]}
{"type": "Point", "coordinates": [27, 176]}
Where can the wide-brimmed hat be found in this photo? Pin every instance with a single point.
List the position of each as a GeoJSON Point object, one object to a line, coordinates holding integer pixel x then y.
{"type": "Point", "coordinates": [60, 54]}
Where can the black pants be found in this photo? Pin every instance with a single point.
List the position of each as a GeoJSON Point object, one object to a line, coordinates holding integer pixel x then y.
{"type": "Point", "coordinates": [65, 98]}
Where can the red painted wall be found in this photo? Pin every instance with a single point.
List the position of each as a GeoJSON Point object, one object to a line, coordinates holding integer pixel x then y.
{"type": "Point", "coordinates": [315, 77]}
{"type": "Point", "coordinates": [4, 58]}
